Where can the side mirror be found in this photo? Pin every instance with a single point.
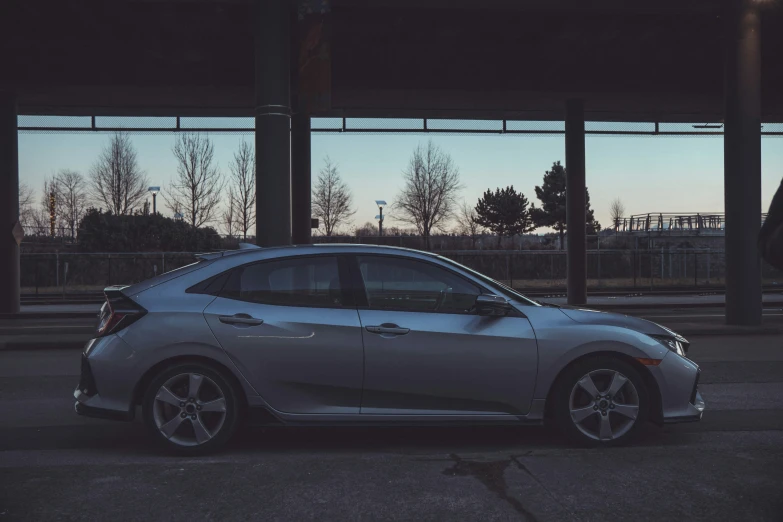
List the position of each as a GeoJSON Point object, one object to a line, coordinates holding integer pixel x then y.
{"type": "Point", "coordinates": [492, 306]}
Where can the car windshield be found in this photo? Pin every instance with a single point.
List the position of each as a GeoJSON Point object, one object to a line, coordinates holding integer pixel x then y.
{"type": "Point", "coordinates": [495, 285]}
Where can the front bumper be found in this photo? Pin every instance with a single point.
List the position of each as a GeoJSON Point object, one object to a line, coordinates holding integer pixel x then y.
{"type": "Point", "coordinates": [697, 411]}
{"type": "Point", "coordinates": [678, 381]}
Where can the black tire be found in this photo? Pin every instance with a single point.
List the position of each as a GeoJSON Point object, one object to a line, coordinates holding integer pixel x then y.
{"type": "Point", "coordinates": [566, 383]}
{"type": "Point", "coordinates": [225, 386]}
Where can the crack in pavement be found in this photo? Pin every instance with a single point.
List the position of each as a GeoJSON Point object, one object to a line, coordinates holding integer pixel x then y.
{"type": "Point", "coordinates": [520, 465]}
{"type": "Point", "coordinates": [491, 474]}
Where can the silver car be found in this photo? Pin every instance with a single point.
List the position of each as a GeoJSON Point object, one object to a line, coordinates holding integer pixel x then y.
{"type": "Point", "coordinates": [354, 334]}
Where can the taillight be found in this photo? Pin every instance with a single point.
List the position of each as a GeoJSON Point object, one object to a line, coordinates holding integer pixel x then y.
{"type": "Point", "coordinates": [117, 312]}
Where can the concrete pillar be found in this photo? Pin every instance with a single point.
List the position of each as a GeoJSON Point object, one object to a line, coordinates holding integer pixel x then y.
{"type": "Point", "coordinates": [300, 179]}
{"type": "Point", "coordinates": [273, 123]}
{"type": "Point", "coordinates": [742, 163]}
{"type": "Point", "coordinates": [576, 216]}
{"type": "Point", "coordinates": [9, 205]}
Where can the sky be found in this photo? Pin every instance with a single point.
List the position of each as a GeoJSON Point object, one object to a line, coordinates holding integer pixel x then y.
{"type": "Point", "coordinates": [648, 173]}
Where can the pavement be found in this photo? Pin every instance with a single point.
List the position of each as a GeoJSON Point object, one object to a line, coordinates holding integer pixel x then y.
{"type": "Point", "coordinates": [55, 465]}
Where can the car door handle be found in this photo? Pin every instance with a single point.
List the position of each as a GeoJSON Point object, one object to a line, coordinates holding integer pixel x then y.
{"type": "Point", "coordinates": [240, 319]}
{"type": "Point", "coordinates": [387, 329]}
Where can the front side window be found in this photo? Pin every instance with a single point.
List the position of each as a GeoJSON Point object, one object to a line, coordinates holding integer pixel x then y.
{"type": "Point", "coordinates": [394, 283]}
{"type": "Point", "coordinates": [301, 281]}
{"type": "Point", "coordinates": [497, 286]}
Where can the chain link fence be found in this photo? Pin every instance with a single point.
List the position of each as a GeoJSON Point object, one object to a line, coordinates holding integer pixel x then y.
{"type": "Point", "coordinates": [531, 271]}
{"type": "Point", "coordinates": [46, 273]}
{"type": "Point", "coordinates": [672, 269]}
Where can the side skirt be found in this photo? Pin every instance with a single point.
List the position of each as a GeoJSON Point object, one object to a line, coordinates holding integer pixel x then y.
{"type": "Point", "coordinates": [261, 414]}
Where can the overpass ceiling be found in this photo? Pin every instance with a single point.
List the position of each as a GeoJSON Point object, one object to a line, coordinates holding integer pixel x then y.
{"type": "Point", "coordinates": [463, 58]}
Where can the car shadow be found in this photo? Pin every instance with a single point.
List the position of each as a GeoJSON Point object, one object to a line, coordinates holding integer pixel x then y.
{"type": "Point", "coordinates": [133, 439]}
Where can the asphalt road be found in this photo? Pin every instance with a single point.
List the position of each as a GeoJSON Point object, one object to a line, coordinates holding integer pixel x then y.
{"type": "Point", "coordinates": [55, 465]}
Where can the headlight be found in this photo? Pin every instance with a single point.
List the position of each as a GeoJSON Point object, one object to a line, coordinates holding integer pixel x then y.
{"type": "Point", "coordinates": [671, 343]}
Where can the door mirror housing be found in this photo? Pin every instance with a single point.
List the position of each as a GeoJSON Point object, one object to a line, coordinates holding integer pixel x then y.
{"type": "Point", "coordinates": [488, 305]}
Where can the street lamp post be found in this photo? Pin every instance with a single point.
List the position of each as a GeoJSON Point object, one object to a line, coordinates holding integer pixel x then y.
{"type": "Point", "coordinates": [154, 191]}
{"type": "Point", "coordinates": [381, 203]}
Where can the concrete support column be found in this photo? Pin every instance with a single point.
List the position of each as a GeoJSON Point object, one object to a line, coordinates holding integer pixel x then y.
{"type": "Point", "coordinates": [742, 163]}
{"type": "Point", "coordinates": [273, 122]}
{"type": "Point", "coordinates": [576, 216]}
{"type": "Point", "coordinates": [300, 179]}
{"type": "Point", "coordinates": [9, 205]}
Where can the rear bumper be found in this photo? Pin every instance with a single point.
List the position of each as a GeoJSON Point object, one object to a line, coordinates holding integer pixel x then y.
{"type": "Point", "coordinates": [83, 409]}
{"type": "Point", "coordinates": [89, 402]}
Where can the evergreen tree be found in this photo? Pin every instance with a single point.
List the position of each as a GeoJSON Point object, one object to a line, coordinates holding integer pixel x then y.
{"type": "Point", "coordinates": [504, 212]}
{"type": "Point", "coordinates": [552, 195]}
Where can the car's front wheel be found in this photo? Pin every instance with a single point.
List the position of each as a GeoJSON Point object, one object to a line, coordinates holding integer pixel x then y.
{"type": "Point", "coordinates": [600, 401]}
{"type": "Point", "coordinates": [191, 408]}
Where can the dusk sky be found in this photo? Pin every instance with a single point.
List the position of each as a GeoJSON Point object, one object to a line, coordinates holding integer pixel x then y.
{"type": "Point", "coordinates": [649, 174]}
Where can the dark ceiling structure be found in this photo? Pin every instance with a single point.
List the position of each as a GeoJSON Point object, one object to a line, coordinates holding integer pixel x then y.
{"type": "Point", "coordinates": [631, 61]}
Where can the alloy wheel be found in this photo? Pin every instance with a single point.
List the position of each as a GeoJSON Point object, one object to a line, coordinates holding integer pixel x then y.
{"type": "Point", "coordinates": [604, 404]}
{"type": "Point", "coordinates": [189, 409]}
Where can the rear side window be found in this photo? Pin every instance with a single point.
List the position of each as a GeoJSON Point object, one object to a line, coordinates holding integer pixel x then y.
{"type": "Point", "coordinates": [300, 281]}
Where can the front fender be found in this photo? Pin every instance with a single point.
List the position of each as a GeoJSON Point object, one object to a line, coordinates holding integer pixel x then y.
{"type": "Point", "coordinates": [562, 340]}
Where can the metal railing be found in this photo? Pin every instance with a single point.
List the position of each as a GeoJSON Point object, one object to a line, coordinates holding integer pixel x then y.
{"type": "Point", "coordinates": [675, 223]}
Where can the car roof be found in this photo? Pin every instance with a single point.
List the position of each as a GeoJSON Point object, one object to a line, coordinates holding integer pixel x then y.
{"type": "Point", "coordinates": [238, 257]}
{"type": "Point", "coordinates": [315, 248]}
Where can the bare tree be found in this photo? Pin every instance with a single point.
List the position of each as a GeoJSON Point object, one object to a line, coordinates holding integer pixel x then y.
{"type": "Point", "coordinates": [196, 190]}
{"type": "Point", "coordinates": [332, 199]}
{"type": "Point", "coordinates": [617, 212]}
{"type": "Point", "coordinates": [40, 214]}
{"type": "Point", "coordinates": [71, 193]}
{"type": "Point", "coordinates": [26, 206]}
{"type": "Point", "coordinates": [431, 185]}
{"type": "Point", "coordinates": [367, 230]}
{"type": "Point", "coordinates": [466, 223]}
{"type": "Point", "coordinates": [228, 219]}
{"type": "Point", "coordinates": [242, 192]}
{"type": "Point", "coordinates": [176, 210]}
{"type": "Point", "coordinates": [116, 179]}
{"type": "Point", "coordinates": [48, 220]}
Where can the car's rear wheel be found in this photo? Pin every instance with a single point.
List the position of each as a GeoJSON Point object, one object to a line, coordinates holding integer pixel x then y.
{"type": "Point", "coordinates": [600, 401]}
{"type": "Point", "coordinates": [191, 408]}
